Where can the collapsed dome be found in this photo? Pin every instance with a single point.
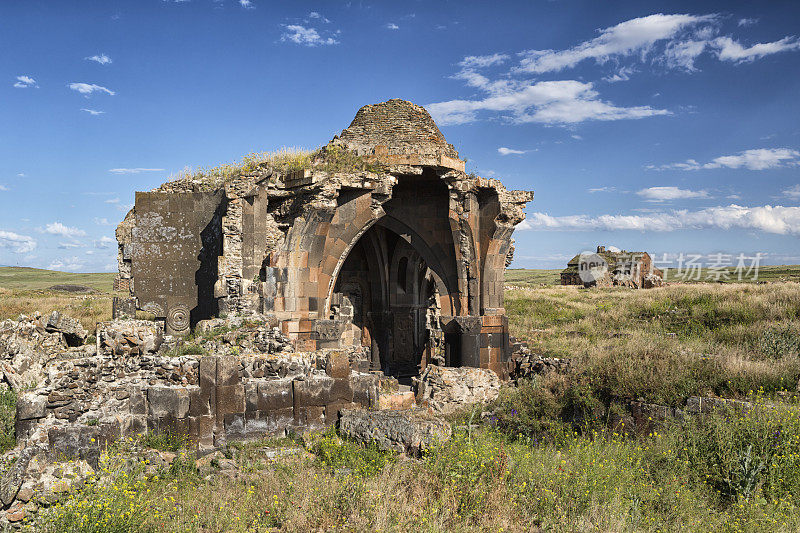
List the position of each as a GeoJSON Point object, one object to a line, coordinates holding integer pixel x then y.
{"type": "Point", "coordinates": [398, 132]}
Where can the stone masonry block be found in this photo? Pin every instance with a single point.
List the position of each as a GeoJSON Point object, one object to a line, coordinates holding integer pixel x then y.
{"type": "Point", "coordinates": [168, 401]}
{"type": "Point", "coordinates": [312, 391]}
{"type": "Point", "coordinates": [230, 399]}
{"type": "Point", "coordinates": [228, 371]}
{"type": "Point", "coordinates": [275, 394]}
{"type": "Point", "coordinates": [338, 364]}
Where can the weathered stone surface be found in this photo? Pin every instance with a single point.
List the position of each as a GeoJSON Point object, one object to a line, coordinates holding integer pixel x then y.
{"type": "Point", "coordinates": [14, 476]}
{"type": "Point", "coordinates": [129, 337]}
{"type": "Point", "coordinates": [402, 431]}
{"type": "Point", "coordinates": [31, 405]}
{"type": "Point", "coordinates": [74, 333]}
{"type": "Point", "coordinates": [447, 389]}
{"type": "Point", "coordinates": [168, 401]}
{"type": "Point", "coordinates": [338, 365]}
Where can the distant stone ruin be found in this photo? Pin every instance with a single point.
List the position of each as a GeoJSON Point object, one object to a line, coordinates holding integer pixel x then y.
{"type": "Point", "coordinates": [611, 267]}
{"type": "Point", "coordinates": [402, 254]}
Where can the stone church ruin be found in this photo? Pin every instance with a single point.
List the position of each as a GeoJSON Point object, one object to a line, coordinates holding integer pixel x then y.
{"type": "Point", "coordinates": [381, 241]}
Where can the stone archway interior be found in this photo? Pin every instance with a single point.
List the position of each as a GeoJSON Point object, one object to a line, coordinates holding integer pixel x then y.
{"type": "Point", "coordinates": [386, 294]}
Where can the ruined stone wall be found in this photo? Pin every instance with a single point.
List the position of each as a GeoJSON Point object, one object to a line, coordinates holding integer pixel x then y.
{"type": "Point", "coordinates": [125, 387]}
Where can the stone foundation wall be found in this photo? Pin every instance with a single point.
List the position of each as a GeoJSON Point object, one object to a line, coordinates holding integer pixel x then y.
{"type": "Point", "coordinates": [86, 400]}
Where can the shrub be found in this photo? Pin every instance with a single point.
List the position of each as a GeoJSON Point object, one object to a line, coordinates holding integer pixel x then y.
{"type": "Point", "coordinates": [779, 343]}
{"type": "Point", "coordinates": [8, 417]}
{"type": "Point", "coordinates": [338, 454]}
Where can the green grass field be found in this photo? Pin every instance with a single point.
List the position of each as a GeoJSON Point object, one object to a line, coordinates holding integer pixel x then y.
{"type": "Point", "coordinates": [534, 277]}
{"type": "Point", "coordinates": [24, 278]}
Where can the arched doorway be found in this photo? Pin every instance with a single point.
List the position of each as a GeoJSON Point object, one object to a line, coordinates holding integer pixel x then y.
{"type": "Point", "coordinates": [387, 294]}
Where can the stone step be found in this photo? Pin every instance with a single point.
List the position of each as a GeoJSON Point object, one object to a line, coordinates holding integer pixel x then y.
{"type": "Point", "coordinates": [396, 401]}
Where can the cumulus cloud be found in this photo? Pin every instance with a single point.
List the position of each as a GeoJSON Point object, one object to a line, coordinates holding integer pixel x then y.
{"type": "Point", "coordinates": [23, 82]}
{"type": "Point", "coordinates": [755, 159]}
{"type": "Point", "coordinates": [768, 219]}
{"type": "Point", "coordinates": [548, 102]}
{"type": "Point", "coordinates": [99, 58]}
{"type": "Point", "coordinates": [508, 151]}
{"type": "Point", "coordinates": [136, 170]}
{"type": "Point", "coordinates": [93, 112]}
{"type": "Point", "coordinates": [392, 26]}
{"type": "Point", "coordinates": [247, 4]}
{"type": "Point", "coordinates": [18, 244]}
{"type": "Point", "coordinates": [632, 37]}
{"type": "Point", "coordinates": [89, 88]}
{"type": "Point", "coordinates": [662, 194]}
{"type": "Point", "coordinates": [304, 36]}
{"type": "Point", "coordinates": [57, 228]}
{"type": "Point", "coordinates": [744, 22]}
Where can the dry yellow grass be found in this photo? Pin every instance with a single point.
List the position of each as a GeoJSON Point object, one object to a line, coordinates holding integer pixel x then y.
{"type": "Point", "coordinates": [89, 309]}
{"type": "Point", "coordinates": [667, 343]}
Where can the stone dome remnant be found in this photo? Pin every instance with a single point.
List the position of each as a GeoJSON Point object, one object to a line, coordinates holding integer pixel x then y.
{"type": "Point", "coordinates": [379, 241]}
{"type": "Point", "coordinates": [398, 132]}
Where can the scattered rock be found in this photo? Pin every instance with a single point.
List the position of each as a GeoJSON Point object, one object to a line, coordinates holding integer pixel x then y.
{"type": "Point", "coordinates": [74, 333]}
{"type": "Point", "coordinates": [403, 431]}
{"type": "Point", "coordinates": [447, 389]}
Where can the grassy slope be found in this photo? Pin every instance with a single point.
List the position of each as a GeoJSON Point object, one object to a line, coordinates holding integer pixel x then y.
{"type": "Point", "coordinates": [24, 278]}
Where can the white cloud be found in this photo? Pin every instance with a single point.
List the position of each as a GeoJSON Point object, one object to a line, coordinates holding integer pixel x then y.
{"type": "Point", "coordinates": [305, 36]}
{"type": "Point", "coordinates": [89, 88]}
{"type": "Point", "coordinates": [21, 175]}
{"type": "Point", "coordinates": [112, 201]}
{"type": "Point", "coordinates": [508, 151]}
{"type": "Point", "coordinates": [57, 228]}
{"type": "Point", "coordinates": [104, 242]}
{"type": "Point", "coordinates": [392, 26]}
{"type": "Point", "coordinates": [18, 244]}
{"type": "Point", "coordinates": [68, 245]}
{"type": "Point", "coordinates": [792, 192]}
{"type": "Point", "coordinates": [247, 4]}
{"type": "Point", "coordinates": [67, 264]}
{"type": "Point", "coordinates": [661, 194]}
{"type": "Point", "coordinates": [632, 37]}
{"type": "Point", "coordinates": [730, 50]}
{"type": "Point", "coordinates": [769, 219]}
{"type": "Point", "coordinates": [577, 137]}
{"type": "Point", "coordinates": [756, 159]}
{"type": "Point", "coordinates": [93, 112]}
{"type": "Point", "coordinates": [601, 189]}
{"type": "Point", "coordinates": [134, 170]}
{"type": "Point", "coordinates": [483, 61]}
{"type": "Point", "coordinates": [101, 59]}
{"type": "Point", "coordinates": [548, 102]}
{"type": "Point", "coordinates": [102, 222]}
{"type": "Point", "coordinates": [744, 22]}
{"type": "Point", "coordinates": [3, 188]}
{"type": "Point", "coordinates": [23, 82]}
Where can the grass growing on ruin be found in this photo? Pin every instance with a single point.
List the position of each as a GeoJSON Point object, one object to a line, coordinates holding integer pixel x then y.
{"type": "Point", "coordinates": [669, 343]}
{"type": "Point", "coordinates": [738, 472]}
{"type": "Point", "coordinates": [329, 159]}
{"type": "Point", "coordinates": [8, 415]}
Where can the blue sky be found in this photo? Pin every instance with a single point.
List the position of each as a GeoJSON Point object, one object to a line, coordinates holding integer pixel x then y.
{"type": "Point", "coordinates": [670, 127]}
